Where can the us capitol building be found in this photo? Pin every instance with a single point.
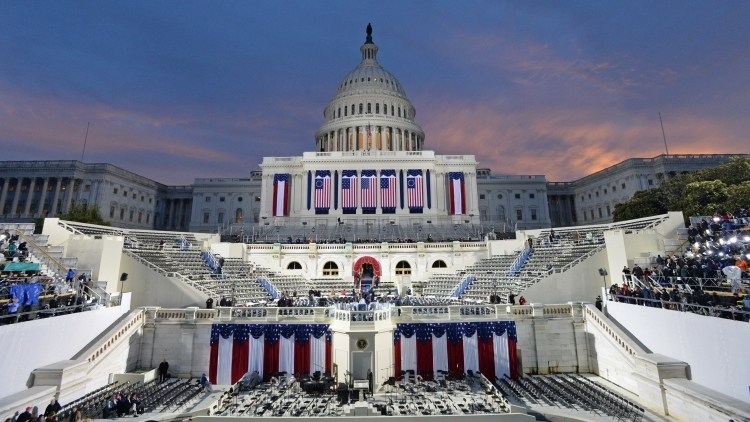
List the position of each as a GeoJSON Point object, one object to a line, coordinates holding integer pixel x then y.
{"type": "Point", "coordinates": [369, 174]}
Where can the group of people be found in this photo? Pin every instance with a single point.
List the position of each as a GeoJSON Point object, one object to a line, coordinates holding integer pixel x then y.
{"type": "Point", "coordinates": [709, 303]}
{"type": "Point", "coordinates": [12, 248]}
{"type": "Point", "coordinates": [122, 404]}
{"type": "Point", "coordinates": [51, 414]}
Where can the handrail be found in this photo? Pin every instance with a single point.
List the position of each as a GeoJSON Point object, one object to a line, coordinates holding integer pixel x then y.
{"type": "Point", "coordinates": [69, 228]}
{"type": "Point", "coordinates": [614, 332]}
{"type": "Point", "coordinates": [61, 268]}
{"type": "Point", "coordinates": [518, 263]}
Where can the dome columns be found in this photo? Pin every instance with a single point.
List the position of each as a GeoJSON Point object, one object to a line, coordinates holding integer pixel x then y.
{"type": "Point", "coordinates": [374, 138]}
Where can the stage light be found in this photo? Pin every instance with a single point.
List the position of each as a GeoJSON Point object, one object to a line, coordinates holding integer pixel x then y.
{"type": "Point", "coordinates": [733, 239]}
{"type": "Point", "coordinates": [721, 241]}
{"type": "Point", "coordinates": [716, 219]}
{"type": "Point", "coordinates": [697, 245]}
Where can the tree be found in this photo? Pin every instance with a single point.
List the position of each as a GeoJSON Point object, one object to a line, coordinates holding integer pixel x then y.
{"type": "Point", "coordinates": [643, 204]}
{"type": "Point", "coordinates": [734, 172]}
{"type": "Point", "coordinates": [738, 196]}
{"type": "Point", "coordinates": [84, 214]}
{"type": "Point", "coordinates": [704, 197]}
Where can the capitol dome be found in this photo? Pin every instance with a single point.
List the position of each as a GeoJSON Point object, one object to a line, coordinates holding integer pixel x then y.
{"type": "Point", "coordinates": [370, 111]}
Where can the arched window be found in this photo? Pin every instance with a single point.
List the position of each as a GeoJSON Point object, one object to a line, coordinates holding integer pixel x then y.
{"type": "Point", "coordinates": [403, 268]}
{"type": "Point", "coordinates": [369, 108]}
{"type": "Point", "coordinates": [439, 264]}
{"type": "Point", "coordinates": [330, 269]}
{"type": "Point", "coordinates": [377, 108]}
{"type": "Point", "coordinates": [360, 108]}
{"type": "Point", "coordinates": [294, 265]}
{"type": "Point", "coordinates": [352, 109]}
{"type": "Point", "coordinates": [239, 216]}
{"type": "Point", "coordinates": [501, 213]}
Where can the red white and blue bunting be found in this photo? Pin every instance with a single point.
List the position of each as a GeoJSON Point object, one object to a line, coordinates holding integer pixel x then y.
{"type": "Point", "coordinates": [267, 348]}
{"type": "Point", "coordinates": [485, 347]}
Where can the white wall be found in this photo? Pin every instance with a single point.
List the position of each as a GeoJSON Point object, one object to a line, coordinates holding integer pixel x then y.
{"type": "Point", "coordinates": [716, 349]}
{"type": "Point", "coordinates": [149, 287]}
{"type": "Point", "coordinates": [229, 250]}
{"type": "Point", "coordinates": [102, 256]}
{"type": "Point", "coordinates": [33, 344]}
{"type": "Point", "coordinates": [580, 283]}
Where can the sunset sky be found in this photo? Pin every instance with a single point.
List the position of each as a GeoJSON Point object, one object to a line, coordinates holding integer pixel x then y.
{"type": "Point", "coordinates": [178, 90]}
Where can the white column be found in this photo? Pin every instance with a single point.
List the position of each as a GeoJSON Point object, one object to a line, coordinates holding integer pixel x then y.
{"type": "Point", "coordinates": [4, 194]}
{"type": "Point", "coordinates": [69, 193]}
{"type": "Point", "coordinates": [440, 194]}
{"type": "Point", "coordinates": [471, 197]}
{"type": "Point", "coordinates": [16, 196]}
{"type": "Point", "coordinates": [56, 197]}
{"type": "Point", "coordinates": [170, 222]}
{"type": "Point", "coordinates": [264, 197]}
{"type": "Point", "coordinates": [29, 197]}
{"type": "Point", "coordinates": [40, 211]}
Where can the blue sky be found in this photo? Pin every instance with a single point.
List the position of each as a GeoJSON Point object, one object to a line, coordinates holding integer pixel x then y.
{"type": "Point", "coordinates": [178, 90]}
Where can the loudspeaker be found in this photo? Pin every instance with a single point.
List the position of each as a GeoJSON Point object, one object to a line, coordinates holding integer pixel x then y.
{"type": "Point", "coordinates": [124, 277]}
{"type": "Point", "coordinates": [602, 272]}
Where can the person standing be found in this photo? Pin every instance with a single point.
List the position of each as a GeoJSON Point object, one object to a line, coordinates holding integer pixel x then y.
{"type": "Point", "coordinates": [163, 370]}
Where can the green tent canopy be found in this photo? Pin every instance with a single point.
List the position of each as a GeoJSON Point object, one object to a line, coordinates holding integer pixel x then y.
{"type": "Point", "coordinates": [21, 266]}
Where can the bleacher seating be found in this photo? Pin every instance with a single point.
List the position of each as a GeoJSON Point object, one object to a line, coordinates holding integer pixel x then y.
{"type": "Point", "coordinates": [571, 391]}
{"type": "Point", "coordinates": [549, 254]}
{"type": "Point", "coordinates": [173, 395]}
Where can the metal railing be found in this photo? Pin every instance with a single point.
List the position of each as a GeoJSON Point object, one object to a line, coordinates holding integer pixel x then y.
{"type": "Point", "coordinates": [735, 313]}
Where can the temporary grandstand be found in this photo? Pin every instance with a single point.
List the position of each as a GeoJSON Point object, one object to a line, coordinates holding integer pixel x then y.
{"type": "Point", "coordinates": [437, 335]}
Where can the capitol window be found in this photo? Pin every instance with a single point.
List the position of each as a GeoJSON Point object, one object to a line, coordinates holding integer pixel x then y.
{"type": "Point", "coordinates": [294, 265]}
{"type": "Point", "coordinates": [439, 264]}
{"type": "Point", "coordinates": [403, 268]}
{"type": "Point", "coordinates": [330, 269]}
{"type": "Point", "coordinates": [500, 196]}
{"type": "Point", "coordinates": [519, 214]}
{"type": "Point", "coordinates": [377, 108]}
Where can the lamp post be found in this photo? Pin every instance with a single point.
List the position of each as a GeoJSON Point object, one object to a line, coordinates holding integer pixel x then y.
{"type": "Point", "coordinates": [603, 273]}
